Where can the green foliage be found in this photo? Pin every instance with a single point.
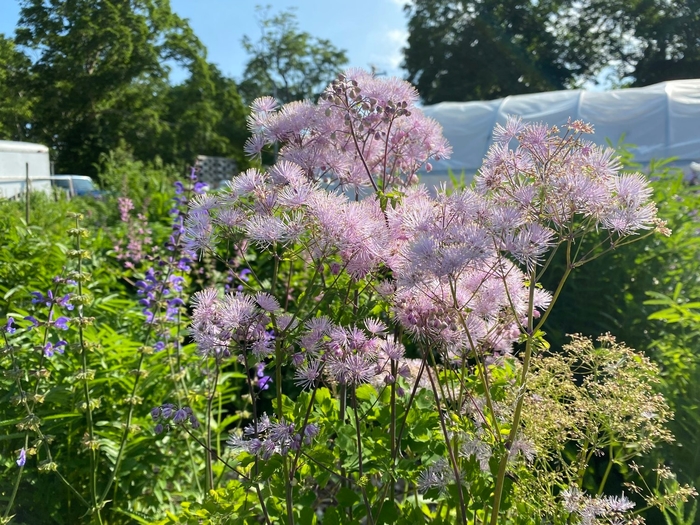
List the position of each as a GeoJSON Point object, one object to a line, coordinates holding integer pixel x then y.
{"type": "Point", "coordinates": [105, 357]}
{"type": "Point", "coordinates": [466, 50]}
{"type": "Point", "coordinates": [469, 50]}
{"type": "Point", "coordinates": [15, 102]}
{"type": "Point", "coordinates": [286, 63]}
{"type": "Point", "coordinates": [666, 35]}
{"type": "Point", "coordinates": [142, 182]}
{"type": "Point", "coordinates": [647, 296]}
{"type": "Point", "coordinates": [101, 82]}
{"type": "Point", "coordinates": [99, 73]}
{"type": "Point", "coordinates": [205, 116]}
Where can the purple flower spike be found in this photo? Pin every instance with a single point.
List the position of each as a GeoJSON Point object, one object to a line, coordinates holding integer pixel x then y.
{"type": "Point", "coordinates": [64, 302]}
{"type": "Point", "coordinates": [37, 297]}
{"type": "Point", "coordinates": [9, 327]}
{"type": "Point", "coordinates": [179, 188]}
{"type": "Point", "coordinates": [22, 457]}
{"type": "Point", "coordinates": [48, 350]}
{"type": "Point", "coordinates": [61, 323]}
{"type": "Point", "coordinates": [264, 382]}
{"type": "Point", "coordinates": [159, 428]}
{"type": "Point", "coordinates": [32, 320]}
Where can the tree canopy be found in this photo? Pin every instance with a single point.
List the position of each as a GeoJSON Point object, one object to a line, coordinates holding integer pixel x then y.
{"type": "Point", "coordinates": [15, 99]}
{"type": "Point", "coordinates": [286, 63]}
{"type": "Point", "coordinates": [484, 49]}
{"type": "Point", "coordinates": [100, 81]}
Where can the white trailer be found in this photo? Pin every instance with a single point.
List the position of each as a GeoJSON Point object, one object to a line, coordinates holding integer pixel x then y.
{"type": "Point", "coordinates": [23, 166]}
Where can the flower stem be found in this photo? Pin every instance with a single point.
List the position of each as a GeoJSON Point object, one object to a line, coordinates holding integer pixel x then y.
{"type": "Point", "coordinates": [86, 387]}
{"type": "Point", "coordinates": [359, 458]}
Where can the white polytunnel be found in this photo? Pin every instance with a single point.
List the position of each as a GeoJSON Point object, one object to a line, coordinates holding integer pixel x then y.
{"type": "Point", "coordinates": [661, 121]}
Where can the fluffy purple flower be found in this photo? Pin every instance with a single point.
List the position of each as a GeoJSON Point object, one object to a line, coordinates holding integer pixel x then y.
{"type": "Point", "coordinates": [199, 233]}
{"type": "Point", "coordinates": [267, 302]}
{"type": "Point", "coordinates": [265, 438]}
{"type": "Point", "coordinates": [264, 105]}
{"type": "Point", "coordinates": [361, 123]}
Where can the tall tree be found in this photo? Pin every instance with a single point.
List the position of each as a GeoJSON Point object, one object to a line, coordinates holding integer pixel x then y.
{"type": "Point", "coordinates": [466, 50]}
{"type": "Point", "coordinates": [647, 41]}
{"type": "Point", "coordinates": [287, 63]}
{"type": "Point", "coordinates": [484, 49]}
{"type": "Point", "coordinates": [100, 77]}
{"type": "Point", "coordinates": [205, 116]}
{"type": "Point", "coordinates": [15, 99]}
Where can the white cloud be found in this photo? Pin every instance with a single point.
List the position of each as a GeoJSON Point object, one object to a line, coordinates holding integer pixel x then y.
{"type": "Point", "coordinates": [387, 52]}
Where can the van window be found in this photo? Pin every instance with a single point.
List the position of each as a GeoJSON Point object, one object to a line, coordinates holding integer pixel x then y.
{"type": "Point", "coordinates": [83, 186]}
{"type": "Point", "coordinates": [65, 184]}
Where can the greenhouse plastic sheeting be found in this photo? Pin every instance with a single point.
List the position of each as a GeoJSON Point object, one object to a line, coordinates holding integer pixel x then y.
{"type": "Point", "coordinates": [661, 121]}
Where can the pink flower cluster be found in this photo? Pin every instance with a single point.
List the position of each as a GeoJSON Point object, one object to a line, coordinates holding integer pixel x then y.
{"type": "Point", "coordinates": [346, 355]}
{"type": "Point", "coordinates": [139, 243]}
{"type": "Point", "coordinates": [365, 131]}
{"type": "Point", "coordinates": [233, 322]}
{"type": "Point", "coordinates": [554, 185]}
{"type": "Point", "coordinates": [459, 264]}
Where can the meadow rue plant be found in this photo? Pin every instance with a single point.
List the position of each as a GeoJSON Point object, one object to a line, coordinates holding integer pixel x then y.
{"type": "Point", "coordinates": [412, 378]}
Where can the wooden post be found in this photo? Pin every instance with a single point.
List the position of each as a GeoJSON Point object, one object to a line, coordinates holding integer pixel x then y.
{"type": "Point", "coordinates": [26, 194]}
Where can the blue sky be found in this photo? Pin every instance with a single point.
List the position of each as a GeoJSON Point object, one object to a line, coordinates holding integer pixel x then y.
{"type": "Point", "coordinates": [371, 31]}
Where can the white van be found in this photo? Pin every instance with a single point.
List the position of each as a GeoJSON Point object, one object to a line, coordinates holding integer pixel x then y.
{"type": "Point", "coordinates": [22, 160]}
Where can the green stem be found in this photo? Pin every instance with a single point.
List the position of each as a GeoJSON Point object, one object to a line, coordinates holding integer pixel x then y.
{"type": "Point", "coordinates": [208, 465]}
{"type": "Point", "coordinates": [608, 469]}
{"type": "Point", "coordinates": [15, 488]}
{"type": "Point", "coordinates": [130, 413]}
{"type": "Point", "coordinates": [285, 464]}
{"type": "Point", "coordinates": [453, 458]}
{"type": "Point", "coordinates": [86, 387]}
{"type": "Point", "coordinates": [392, 424]}
{"type": "Point", "coordinates": [359, 457]}
{"type": "Point", "coordinates": [500, 478]}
